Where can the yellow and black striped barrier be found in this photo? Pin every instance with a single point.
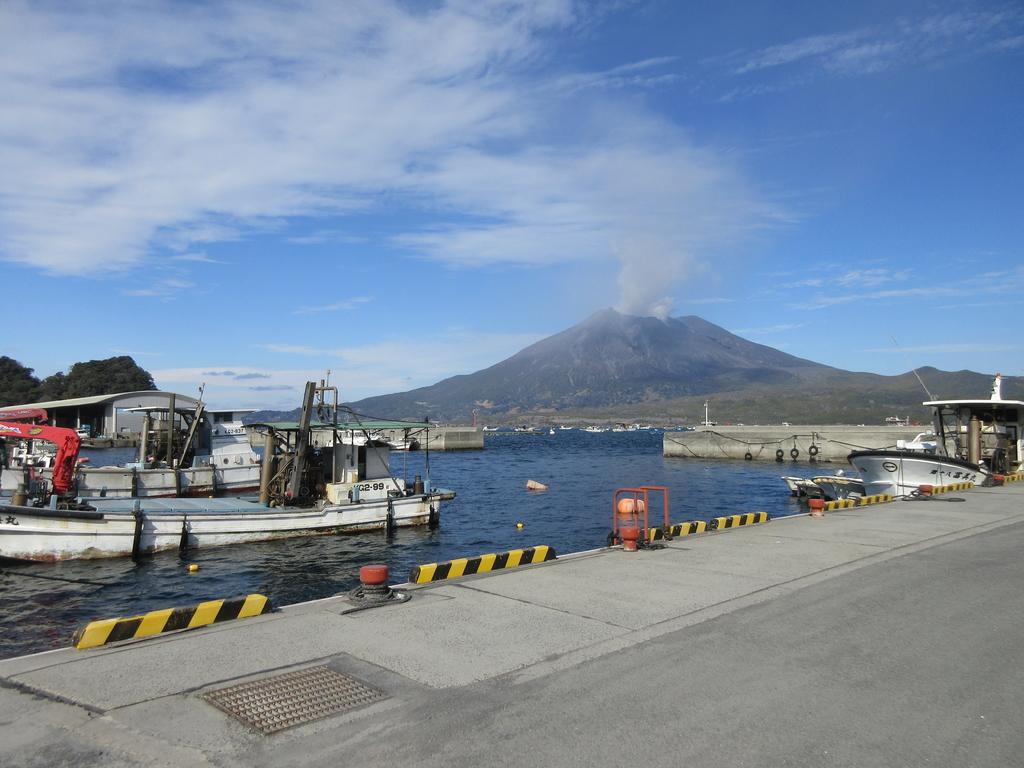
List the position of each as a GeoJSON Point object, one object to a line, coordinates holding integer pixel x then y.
{"type": "Point", "coordinates": [681, 529]}
{"type": "Point", "coordinates": [97, 633]}
{"type": "Point", "coordinates": [862, 501]}
{"type": "Point", "coordinates": [952, 487]}
{"type": "Point", "coordinates": [467, 566]}
{"type": "Point", "coordinates": [1014, 477]}
{"type": "Point", "coordinates": [734, 521]}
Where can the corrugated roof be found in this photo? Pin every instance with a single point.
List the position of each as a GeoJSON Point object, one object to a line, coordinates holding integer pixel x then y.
{"type": "Point", "coordinates": [97, 399]}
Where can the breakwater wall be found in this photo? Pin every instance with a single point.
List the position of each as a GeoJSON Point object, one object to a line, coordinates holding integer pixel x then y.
{"type": "Point", "coordinates": [443, 438]}
{"type": "Point", "coordinates": [822, 442]}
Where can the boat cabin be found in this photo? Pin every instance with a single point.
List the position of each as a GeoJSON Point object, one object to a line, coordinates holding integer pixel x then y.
{"type": "Point", "coordinates": [349, 461]}
{"type": "Point", "coordinates": [984, 432]}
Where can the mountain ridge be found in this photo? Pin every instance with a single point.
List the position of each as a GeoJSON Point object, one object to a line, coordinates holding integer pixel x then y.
{"type": "Point", "coordinates": [625, 366]}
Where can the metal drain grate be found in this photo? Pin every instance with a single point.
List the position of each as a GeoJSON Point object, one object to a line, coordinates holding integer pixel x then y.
{"type": "Point", "coordinates": [291, 699]}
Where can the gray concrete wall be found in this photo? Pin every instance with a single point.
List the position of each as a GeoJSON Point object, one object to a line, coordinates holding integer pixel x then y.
{"type": "Point", "coordinates": [833, 441]}
{"type": "Point", "coordinates": [446, 438]}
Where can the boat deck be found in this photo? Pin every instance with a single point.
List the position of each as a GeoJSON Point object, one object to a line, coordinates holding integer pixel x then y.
{"type": "Point", "coordinates": [188, 506]}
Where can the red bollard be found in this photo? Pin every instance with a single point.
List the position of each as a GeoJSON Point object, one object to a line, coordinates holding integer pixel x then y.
{"type": "Point", "coordinates": [629, 536]}
{"type": "Point", "coordinates": [925, 490]}
{"type": "Point", "coordinates": [373, 575]}
{"type": "Point", "coordinates": [817, 507]}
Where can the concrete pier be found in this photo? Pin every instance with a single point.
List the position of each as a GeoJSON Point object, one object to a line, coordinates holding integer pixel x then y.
{"type": "Point", "coordinates": [444, 438]}
{"type": "Point", "coordinates": [832, 442]}
{"type": "Point", "coordinates": [874, 636]}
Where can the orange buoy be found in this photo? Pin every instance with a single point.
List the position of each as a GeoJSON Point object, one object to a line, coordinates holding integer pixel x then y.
{"type": "Point", "coordinates": [629, 506]}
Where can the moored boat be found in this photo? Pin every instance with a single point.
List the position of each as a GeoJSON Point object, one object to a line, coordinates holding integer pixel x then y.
{"type": "Point", "coordinates": [311, 482]}
{"type": "Point", "coordinates": [970, 441]}
{"type": "Point", "coordinates": [210, 456]}
{"type": "Point", "coordinates": [828, 487]}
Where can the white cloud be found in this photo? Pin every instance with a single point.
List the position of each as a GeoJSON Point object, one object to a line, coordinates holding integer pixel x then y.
{"type": "Point", "coordinates": [957, 348]}
{"type": "Point", "coordinates": [869, 50]}
{"type": "Point", "coordinates": [199, 258]}
{"type": "Point", "coordinates": [359, 371]}
{"type": "Point", "coordinates": [336, 306]}
{"type": "Point", "coordinates": [862, 287]}
{"type": "Point", "coordinates": [164, 288]}
{"type": "Point", "coordinates": [133, 130]}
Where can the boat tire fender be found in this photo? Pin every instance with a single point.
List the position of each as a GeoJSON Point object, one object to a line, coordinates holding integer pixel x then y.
{"type": "Point", "coordinates": [778, 455]}
{"type": "Point", "coordinates": [812, 451]}
{"type": "Point", "coordinates": [794, 453]}
{"type": "Point", "coordinates": [748, 456]}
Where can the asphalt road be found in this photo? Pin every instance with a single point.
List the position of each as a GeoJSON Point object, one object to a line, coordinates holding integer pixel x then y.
{"type": "Point", "coordinates": [888, 636]}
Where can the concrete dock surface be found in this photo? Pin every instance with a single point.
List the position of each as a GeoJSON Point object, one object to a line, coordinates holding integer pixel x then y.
{"type": "Point", "coordinates": [885, 635]}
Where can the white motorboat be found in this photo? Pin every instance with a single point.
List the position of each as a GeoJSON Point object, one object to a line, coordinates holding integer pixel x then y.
{"type": "Point", "coordinates": [828, 487]}
{"type": "Point", "coordinates": [971, 440]}
{"type": "Point", "coordinates": [595, 430]}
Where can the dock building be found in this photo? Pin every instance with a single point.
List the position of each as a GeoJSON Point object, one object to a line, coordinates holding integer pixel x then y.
{"type": "Point", "coordinates": [115, 415]}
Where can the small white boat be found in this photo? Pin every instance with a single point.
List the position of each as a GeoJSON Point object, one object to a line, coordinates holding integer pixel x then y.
{"type": "Point", "coordinates": [828, 487]}
{"type": "Point", "coordinates": [595, 430]}
{"type": "Point", "coordinates": [971, 440]}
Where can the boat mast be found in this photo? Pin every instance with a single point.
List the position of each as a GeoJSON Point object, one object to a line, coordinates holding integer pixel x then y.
{"type": "Point", "coordinates": [302, 439]}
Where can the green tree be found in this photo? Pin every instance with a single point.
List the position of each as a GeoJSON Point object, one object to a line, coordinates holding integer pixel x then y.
{"type": "Point", "coordinates": [53, 387]}
{"type": "Point", "coordinates": [17, 384]}
{"type": "Point", "coordinates": [102, 377]}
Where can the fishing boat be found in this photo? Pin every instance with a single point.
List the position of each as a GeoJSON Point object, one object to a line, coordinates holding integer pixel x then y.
{"type": "Point", "coordinates": [209, 454]}
{"type": "Point", "coordinates": [311, 482]}
{"type": "Point", "coordinates": [970, 441]}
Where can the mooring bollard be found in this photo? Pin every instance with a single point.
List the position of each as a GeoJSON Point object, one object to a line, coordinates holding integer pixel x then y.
{"type": "Point", "coordinates": [373, 586]}
{"type": "Point", "coordinates": [817, 507]}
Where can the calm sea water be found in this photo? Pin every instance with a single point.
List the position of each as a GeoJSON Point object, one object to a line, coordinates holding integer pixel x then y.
{"type": "Point", "coordinates": [42, 604]}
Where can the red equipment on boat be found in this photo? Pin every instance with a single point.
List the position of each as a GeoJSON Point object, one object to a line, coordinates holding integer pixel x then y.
{"type": "Point", "coordinates": [67, 441]}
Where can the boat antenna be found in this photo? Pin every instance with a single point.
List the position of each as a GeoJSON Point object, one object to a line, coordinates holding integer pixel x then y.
{"type": "Point", "coordinates": [913, 370]}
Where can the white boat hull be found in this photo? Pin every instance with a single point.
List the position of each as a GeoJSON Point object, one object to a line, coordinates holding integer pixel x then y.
{"type": "Point", "coordinates": [29, 533]}
{"type": "Point", "coordinates": [903, 472]}
{"type": "Point", "coordinates": [121, 482]}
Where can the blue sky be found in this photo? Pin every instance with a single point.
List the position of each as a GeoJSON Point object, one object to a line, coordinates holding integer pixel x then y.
{"type": "Point", "coordinates": [247, 194]}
